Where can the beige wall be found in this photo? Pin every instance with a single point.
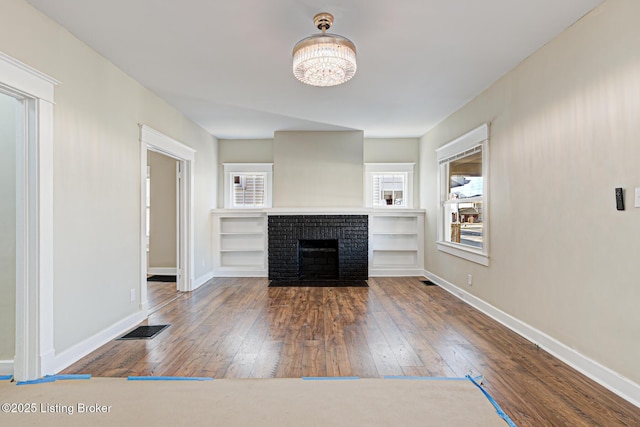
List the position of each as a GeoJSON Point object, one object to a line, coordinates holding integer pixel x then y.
{"type": "Point", "coordinates": [396, 150]}
{"type": "Point", "coordinates": [241, 151]}
{"type": "Point", "coordinates": [383, 150]}
{"type": "Point", "coordinates": [8, 108]}
{"type": "Point", "coordinates": [318, 169]}
{"type": "Point", "coordinates": [246, 151]}
{"type": "Point", "coordinates": [391, 150]}
{"type": "Point", "coordinates": [375, 150]}
{"type": "Point", "coordinates": [565, 131]}
{"type": "Point", "coordinates": [163, 213]}
{"type": "Point", "coordinates": [97, 207]}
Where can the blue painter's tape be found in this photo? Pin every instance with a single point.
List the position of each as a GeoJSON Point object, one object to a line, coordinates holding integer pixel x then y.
{"type": "Point", "coordinates": [169, 379]}
{"type": "Point", "coordinates": [394, 377]}
{"type": "Point", "coordinates": [40, 381]}
{"type": "Point", "coordinates": [404, 377]}
{"type": "Point", "coordinates": [70, 377]}
{"type": "Point", "coordinates": [5, 377]}
{"type": "Point", "coordinates": [499, 410]}
{"type": "Point", "coordinates": [54, 378]}
{"type": "Point", "coordinates": [329, 378]}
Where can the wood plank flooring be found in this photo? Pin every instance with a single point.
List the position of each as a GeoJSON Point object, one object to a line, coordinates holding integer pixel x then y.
{"type": "Point", "coordinates": [240, 328]}
{"type": "Point", "coordinates": [160, 294]}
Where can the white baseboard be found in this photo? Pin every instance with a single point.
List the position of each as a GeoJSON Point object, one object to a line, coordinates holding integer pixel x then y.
{"type": "Point", "coordinates": [6, 367]}
{"type": "Point", "coordinates": [604, 376]}
{"type": "Point", "coordinates": [201, 280]}
{"type": "Point", "coordinates": [78, 351]}
{"type": "Point", "coordinates": [162, 271]}
{"type": "Point", "coordinates": [48, 360]}
{"type": "Point", "coordinates": [373, 272]}
{"type": "Point", "coordinates": [233, 272]}
{"type": "Point", "coordinates": [395, 272]}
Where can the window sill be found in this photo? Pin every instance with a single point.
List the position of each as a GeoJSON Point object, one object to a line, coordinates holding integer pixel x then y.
{"type": "Point", "coordinates": [463, 252]}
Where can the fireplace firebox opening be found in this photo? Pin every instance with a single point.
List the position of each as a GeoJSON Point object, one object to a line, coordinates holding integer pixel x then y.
{"type": "Point", "coordinates": [318, 259]}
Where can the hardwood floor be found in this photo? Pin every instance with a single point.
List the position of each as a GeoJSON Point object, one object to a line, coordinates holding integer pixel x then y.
{"type": "Point", "coordinates": [240, 328]}
{"type": "Point", "coordinates": [160, 294]}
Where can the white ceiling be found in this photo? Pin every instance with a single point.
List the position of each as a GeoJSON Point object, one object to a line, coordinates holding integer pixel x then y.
{"type": "Point", "coordinates": [226, 64]}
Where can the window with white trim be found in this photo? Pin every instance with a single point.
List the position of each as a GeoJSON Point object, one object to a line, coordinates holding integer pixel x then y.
{"type": "Point", "coordinates": [463, 216]}
{"type": "Point", "coordinates": [389, 185]}
{"type": "Point", "coordinates": [248, 190]}
{"type": "Point", "coordinates": [247, 185]}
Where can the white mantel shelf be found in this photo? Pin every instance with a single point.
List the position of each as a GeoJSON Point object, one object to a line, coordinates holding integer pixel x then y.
{"type": "Point", "coordinates": [396, 239]}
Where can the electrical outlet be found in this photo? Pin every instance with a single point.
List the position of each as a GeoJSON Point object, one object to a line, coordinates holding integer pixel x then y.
{"type": "Point", "coordinates": [470, 280]}
{"type": "Point", "coordinates": [132, 295]}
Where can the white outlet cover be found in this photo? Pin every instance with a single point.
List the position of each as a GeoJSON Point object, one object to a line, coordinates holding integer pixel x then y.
{"type": "Point", "coordinates": [637, 200]}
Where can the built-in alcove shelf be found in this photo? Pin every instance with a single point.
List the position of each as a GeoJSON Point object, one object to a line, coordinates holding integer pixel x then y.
{"type": "Point", "coordinates": [240, 244]}
{"type": "Point", "coordinates": [396, 243]}
{"type": "Point", "coordinates": [395, 248]}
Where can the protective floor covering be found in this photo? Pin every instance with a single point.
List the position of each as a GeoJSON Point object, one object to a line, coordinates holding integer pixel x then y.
{"type": "Point", "coordinates": [247, 402]}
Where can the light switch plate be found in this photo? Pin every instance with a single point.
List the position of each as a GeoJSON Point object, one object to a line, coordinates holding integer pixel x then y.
{"type": "Point", "coordinates": [637, 200]}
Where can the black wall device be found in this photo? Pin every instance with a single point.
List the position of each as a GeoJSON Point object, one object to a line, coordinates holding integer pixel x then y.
{"type": "Point", "coordinates": [619, 199]}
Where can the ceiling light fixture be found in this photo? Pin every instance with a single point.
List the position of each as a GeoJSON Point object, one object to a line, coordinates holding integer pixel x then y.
{"type": "Point", "coordinates": [324, 59]}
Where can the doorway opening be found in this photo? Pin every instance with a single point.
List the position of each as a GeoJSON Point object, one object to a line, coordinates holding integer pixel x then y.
{"type": "Point", "coordinates": [11, 123]}
{"type": "Point", "coordinates": [173, 164]}
{"type": "Point", "coordinates": [163, 174]}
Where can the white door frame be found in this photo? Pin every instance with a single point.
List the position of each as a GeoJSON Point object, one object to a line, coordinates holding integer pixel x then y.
{"type": "Point", "coordinates": [34, 352]}
{"type": "Point", "coordinates": [152, 140]}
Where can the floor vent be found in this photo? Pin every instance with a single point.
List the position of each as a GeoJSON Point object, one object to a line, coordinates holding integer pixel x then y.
{"type": "Point", "coordinates": [144, 332]}
{"type": "Point", "coordinates": [428, 283]}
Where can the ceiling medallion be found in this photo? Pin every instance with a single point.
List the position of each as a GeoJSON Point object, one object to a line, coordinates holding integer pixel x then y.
{"type": "Point", "coordinates": [324, 59]}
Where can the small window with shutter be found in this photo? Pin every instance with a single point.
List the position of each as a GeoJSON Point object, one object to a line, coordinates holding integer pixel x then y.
{"type": "Point", "coordinates": [248, 190]}
{"type": "Point", "coordinates": [247, 185]}
{"type": "Point", "coordinates": [389, 185]}
{"type": "Point", "coordinates": [388, 190]}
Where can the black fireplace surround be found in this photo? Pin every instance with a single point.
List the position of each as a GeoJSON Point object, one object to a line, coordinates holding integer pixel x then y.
{"type": "Point", "coordinates": [308, 247]}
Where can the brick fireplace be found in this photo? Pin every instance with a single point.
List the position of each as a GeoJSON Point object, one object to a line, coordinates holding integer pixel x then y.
{"type": "Point", "coordinates": [318, 247]}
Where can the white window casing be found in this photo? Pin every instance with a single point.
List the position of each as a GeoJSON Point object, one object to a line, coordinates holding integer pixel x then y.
{"type": "Point", "coordinates": [458, 205]}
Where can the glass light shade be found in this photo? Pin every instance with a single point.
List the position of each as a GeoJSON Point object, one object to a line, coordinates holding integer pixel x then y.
{"type": "Point", "coordinates": [324, 60]}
